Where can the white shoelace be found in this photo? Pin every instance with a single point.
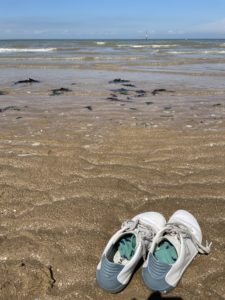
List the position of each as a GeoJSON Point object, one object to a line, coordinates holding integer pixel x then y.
{"type": "Point", "coordinates": [179, 229]}
{"type": "Point", "coordinates": [144, 232]}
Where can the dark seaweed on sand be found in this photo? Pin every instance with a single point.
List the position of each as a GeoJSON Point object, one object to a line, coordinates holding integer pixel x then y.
{"type": "Point", "coordinates": [30, 80]}
{"type": "Point", "coordinates": [117, 100]}
{"type": "Point", "coordinates": [9, 108]}
{"type": "Point", "coordinates": [140, 93]}
{"type": "Point", "coordinates": [119, 80]}
{"type": "Point", "coordinates": [89, 107]}
{"type": "Point", "coordinates": [3, 93]}
{"type": "Point", "coordinates": [129, 85]}
{"type": "Point", "coordinates": [125, 92]}
{"type": "Point", "coordinates": [167, 107]}
{"type": "Point", "coordinates": [158, 91]}
{"type": "Point", "coordinates": [121, 91]}
{"type": "Point", "coordinates": [57, 92]}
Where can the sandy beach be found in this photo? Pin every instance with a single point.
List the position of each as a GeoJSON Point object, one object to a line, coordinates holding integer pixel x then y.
{"type": "Point", "coordinates": [75, 165]}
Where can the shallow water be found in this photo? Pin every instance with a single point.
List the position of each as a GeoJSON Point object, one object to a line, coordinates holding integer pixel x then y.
{"type": "Point", "coordinates": [115, 53]}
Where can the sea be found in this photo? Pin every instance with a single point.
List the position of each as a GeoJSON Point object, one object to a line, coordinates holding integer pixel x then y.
{"type": "Point", "coordinates": [185, 56]}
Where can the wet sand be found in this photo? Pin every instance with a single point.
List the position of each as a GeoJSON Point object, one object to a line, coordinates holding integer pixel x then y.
{"type": "Point", "coordinates": [69, 177]}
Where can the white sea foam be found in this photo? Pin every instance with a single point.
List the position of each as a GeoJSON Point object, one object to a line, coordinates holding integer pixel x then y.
{"type": "Point", "coordinates": [198, 52]}
{"type": "Point", "coordinates": [154, 46]}
{"type": "Point", "coordinates": [182, 52]}
{"type": "Point", "coordinates": [214, 52]}
{"type": "Point", "coordinates": [138, 46]}
{"type": "Point", "coordinates": [11, 50]}
{"type": "Point", "coordinates": [100, 43]}
{"type": "Point", "coordinates": [164, 46]}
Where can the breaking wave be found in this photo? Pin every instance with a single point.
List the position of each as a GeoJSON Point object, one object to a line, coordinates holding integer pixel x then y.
{"type": "Point", "coordinates": [11, 50]}
{"type": "Point", "coordinates": [198, 52]}
{"type": "Point", "coordinates": [101, 43]}
{"type": "Point", "coordinates": [154, 46]}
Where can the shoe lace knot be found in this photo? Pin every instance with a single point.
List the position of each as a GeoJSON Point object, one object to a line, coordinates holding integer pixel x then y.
{"type": "Point", "coordinates": [181, 230]}
{"type": "Point", "coordinates": [143, 231]}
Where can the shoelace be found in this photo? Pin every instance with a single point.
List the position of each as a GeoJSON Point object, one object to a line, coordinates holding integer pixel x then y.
{"type": "Point", "coordinates": [144, 232]}
{"type": "Point", "coordinates": [179, 229]}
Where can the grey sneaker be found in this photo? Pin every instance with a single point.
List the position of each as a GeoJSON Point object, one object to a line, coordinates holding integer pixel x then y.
{"type": "Point", "coordinates": [125, 249]}
{"type": "Point", "coordinates": [172, 250]}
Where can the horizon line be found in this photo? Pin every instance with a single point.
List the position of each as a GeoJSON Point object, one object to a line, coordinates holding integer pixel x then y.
{"type": "Point", "coordinates": [112, 39]}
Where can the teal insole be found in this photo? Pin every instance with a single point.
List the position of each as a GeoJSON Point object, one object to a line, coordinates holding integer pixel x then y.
{"type": "Point", "coordinates": [165, 253]}
{"type": "Point", "coordinates": [127, 247]}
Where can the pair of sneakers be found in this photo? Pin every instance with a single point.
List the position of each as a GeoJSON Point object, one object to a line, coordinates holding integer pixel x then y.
{"type": "Point", "coordinates": [167, 249]}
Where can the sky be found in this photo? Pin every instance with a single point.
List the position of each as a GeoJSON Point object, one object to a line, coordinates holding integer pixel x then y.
{"type": "Point", "coordinates": [111, 19]}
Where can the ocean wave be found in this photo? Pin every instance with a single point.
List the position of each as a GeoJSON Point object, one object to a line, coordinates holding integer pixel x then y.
{"type": "Point", "coordinates": [101, 43]}
{"type": "Point", "coordinates": [137, 46]}
{"type": "Point", "coordinates": [182, 52]}
{"type": "Point", "coordinates": [164, 46]}
{"type": "Point", "coordinates": [198, 52]}
{"type": "Point", "coordinates": [100, 58]}
{"type": "Point", "coordinates": [213, 51]}
{"type": "Point", "coordinates": [154, 46]}
{"type": "Point", "coordinates": [11, 50]}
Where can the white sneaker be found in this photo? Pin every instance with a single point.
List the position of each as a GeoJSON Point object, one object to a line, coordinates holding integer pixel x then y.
{"type": "Point", "coordinates": [125, 249]}
{"type": "Point", "coordinates": [172, 250]}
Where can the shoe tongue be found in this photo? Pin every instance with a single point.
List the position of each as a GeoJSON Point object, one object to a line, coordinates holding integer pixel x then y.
{"type": "Point", "coordinates": [174, 241]}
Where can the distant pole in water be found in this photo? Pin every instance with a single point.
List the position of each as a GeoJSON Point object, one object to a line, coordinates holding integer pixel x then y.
{"type": "Point", "coordinates": [146, 35]}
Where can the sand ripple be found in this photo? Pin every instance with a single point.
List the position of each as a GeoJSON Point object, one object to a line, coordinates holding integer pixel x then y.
{"type": "Point", "coordinates": [61, 198]}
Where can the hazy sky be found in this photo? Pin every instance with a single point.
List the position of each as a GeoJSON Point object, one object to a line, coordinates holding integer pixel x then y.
{"type": "Point", "coordinates": [112, 19]}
